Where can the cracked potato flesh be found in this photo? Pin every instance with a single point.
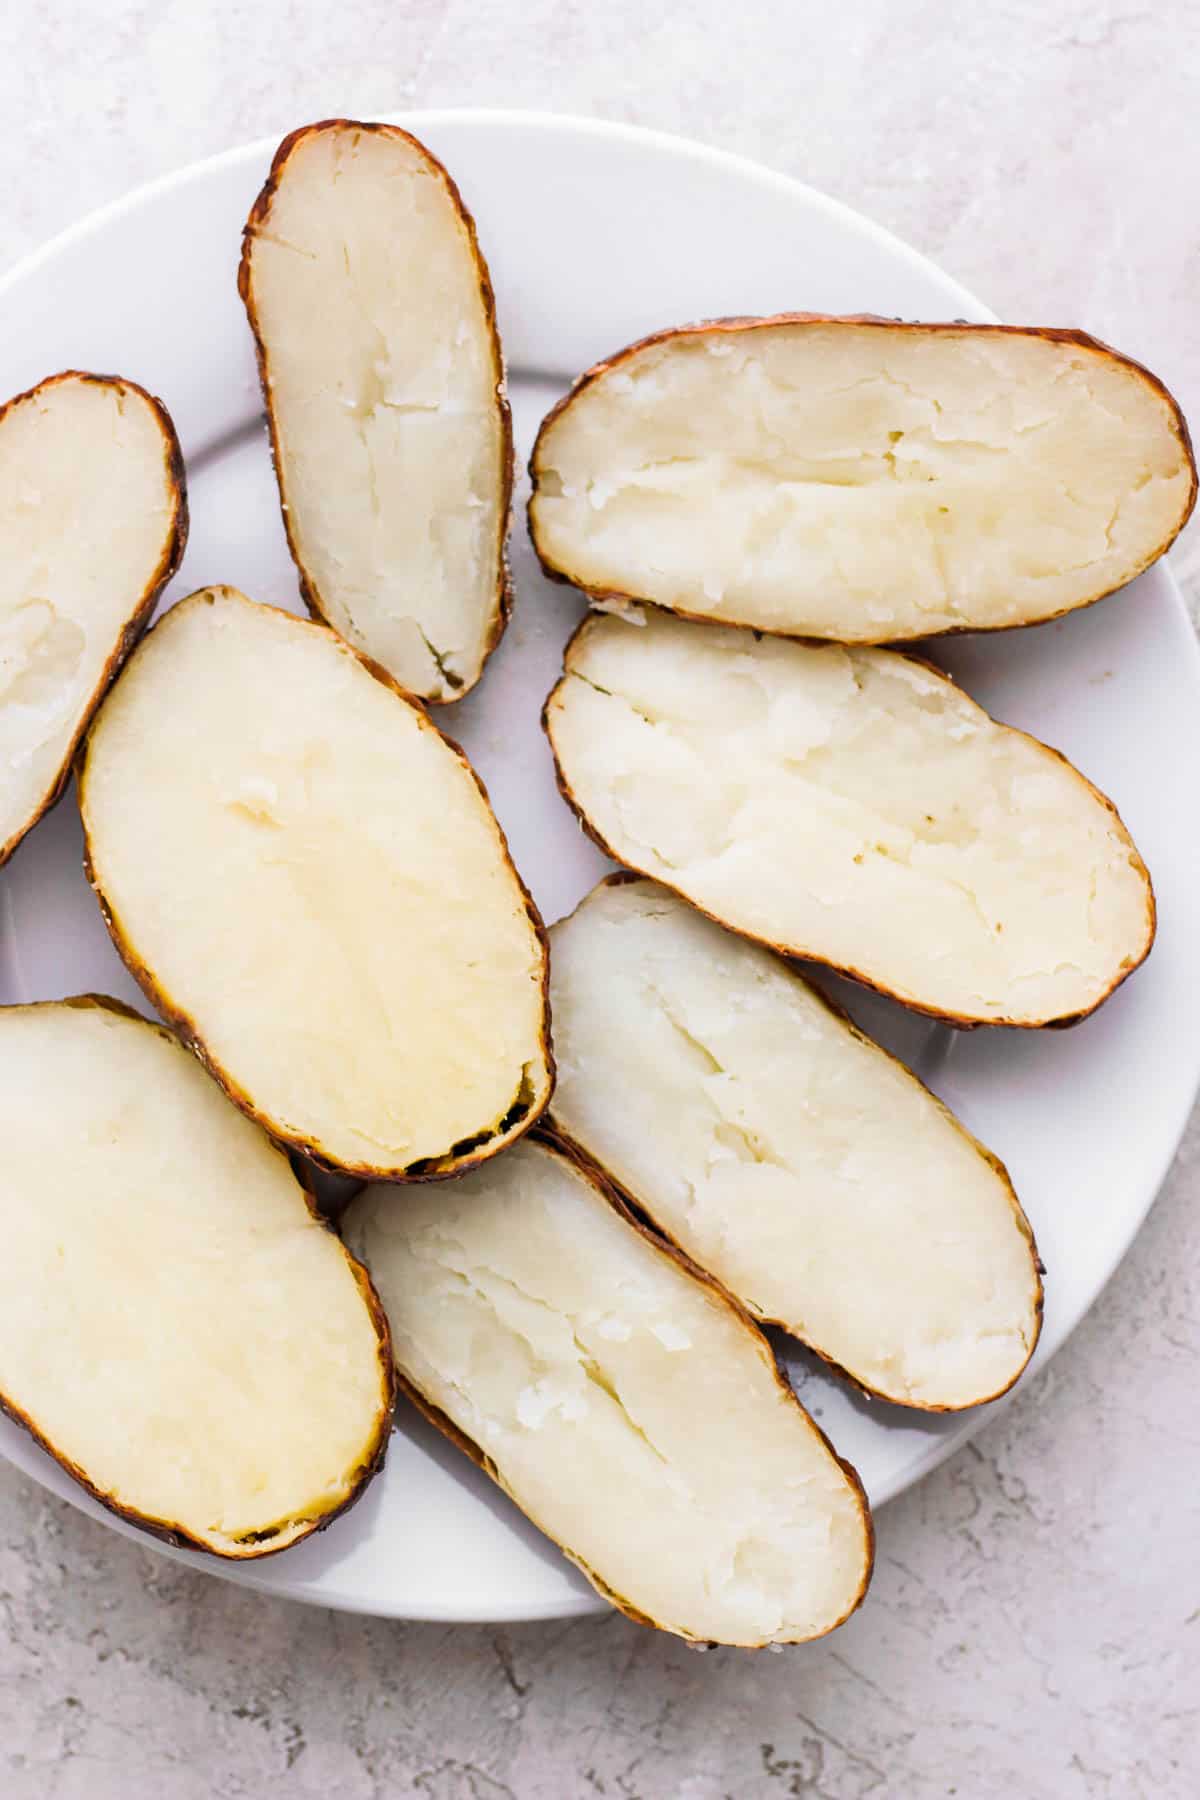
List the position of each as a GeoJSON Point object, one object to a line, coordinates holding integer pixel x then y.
{"type": "Point", "coordinates": [381, 368]}
{"type": "Point", "coordinates": [852, 805]}
{"type": "Point", "coordinates": [786, 1153]}
{"type": "Point", "coordinates": [621, 1399]}
{"type": "Point", "coordinates": [861, 479]}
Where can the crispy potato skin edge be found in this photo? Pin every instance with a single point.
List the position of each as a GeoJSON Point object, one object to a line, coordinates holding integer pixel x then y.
{"type": "Point", "coordinates": [642, 1209]}
{"type": "Point", "coordinates": [737, 325]}
{"type": "Point", "coordinates": [290, 1531]}
{"type": "Point", "coordinates": [259, 213]}
{"type": "Point", "coordinates": [598, 1179]}
{"type": "Point", "coordinates": [427, 1169]}
{"type": "Point", "coordinates": [172, 555]}
{"type": "Point", "coordinates": [961, 1021]}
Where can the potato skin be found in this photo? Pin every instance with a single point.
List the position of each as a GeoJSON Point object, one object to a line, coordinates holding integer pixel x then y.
{"type": "Point", "coordinates": [259, 213]}
{"type": "Point", "coordinates": [174, 1534]}
{"type": "Point", "coordinates": [458, 1160]}
{"type": "Point", "coordinates": [168, 564]}
{"type": "Point", "coordinates": [736, 324]}
{"type": "Point", "coordinates": [629, 1204]}
{"type": "Point", "coordinates": [793, 954]}
{"type": "Point", "coordinates": [552, 1138]}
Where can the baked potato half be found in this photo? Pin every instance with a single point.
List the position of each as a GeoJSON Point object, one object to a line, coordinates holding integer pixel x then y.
{"type": "Point", "coordinates": [307, 880]}
{"type": "Point", "coordinates": [861, 479]}
{"type": "Point", "coordinates": [852, 805]}
{"type": "Point", "coordinates": [759, 1130]}
{"type": "Point", "coordinates": [93, 521]}
{"type": "Point", "coordinates": [373, 317]}
{"type": "Point", "coordinates": [625, 1403]}
{"type": "Point", "coordinates": [178, 1328]}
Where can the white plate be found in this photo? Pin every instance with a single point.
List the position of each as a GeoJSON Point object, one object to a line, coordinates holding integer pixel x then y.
{"type": "Point", "coordinates": [596, 234]}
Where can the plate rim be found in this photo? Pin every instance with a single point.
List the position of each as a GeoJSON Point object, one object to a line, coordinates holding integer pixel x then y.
{"type": "Point", "coordinates": [263, 1578]}
{"type": "Point", "coordinates": [580, 124]}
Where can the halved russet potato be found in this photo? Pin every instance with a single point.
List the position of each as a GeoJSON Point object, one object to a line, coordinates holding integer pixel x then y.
{"type": "Point", "coordinates": [307, 879]}
{"type": "Point", "coordinates": [177, 1326]}
{"type": "Point", "coordinates": [620, 1398]}
{"type": "Point", "coordinates": [786, 1153]}
{"type": "Point", "coordinates": [861, 479]}
{"type": "Point", "coordinates": [93, 521]}
{"type": "Point", "coordinates": [853, 806]}
{"type": "Point", "coordinates": [373, 316]}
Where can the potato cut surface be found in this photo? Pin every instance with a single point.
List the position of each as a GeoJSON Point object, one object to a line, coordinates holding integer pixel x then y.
{"type": "Point", "coordinates": [623, 1402]}
{"type": "Point", "coordinates": [298, 866]}
{"type": "Point", "coordinates": [853, 806]}
{"type": "Point", "coordinates": [372, 310]}
{"type": "Point", "coordinates": [787, 1154]}
{"type": "Point", "coordinates": [92, 524]}
{"type": "Point", "coordinates": [865, 481]}
{"type": "Point", "coordinates": [176, 1325]}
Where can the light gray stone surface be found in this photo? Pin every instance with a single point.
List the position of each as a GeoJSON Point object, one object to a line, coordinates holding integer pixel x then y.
{"type": "Point", "coordinates": [1034, 1627]}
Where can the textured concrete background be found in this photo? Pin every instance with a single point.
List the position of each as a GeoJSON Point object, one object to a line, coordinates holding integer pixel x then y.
{"type": "Point", "coordinates": [1034, 1627]}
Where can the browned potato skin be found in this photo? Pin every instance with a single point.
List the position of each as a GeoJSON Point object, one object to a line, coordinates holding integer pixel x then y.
{"type": "Point", "coordinates": [170, 1532]}
{"type": "Point", "coordinates": [553, 1139]}
{"type": "Point", "coordinates": [259, 214]}
{"type": "Point", "coordinates": [798, 952]}
{"type": "Point", "coordinates": [632, 1205]}
{"type": "Point", "coordinates": [738, 324]}
{"type": "Point", "coordinates": [455, 1162]}
{"type": "Point", "coordinates": [136, 623]}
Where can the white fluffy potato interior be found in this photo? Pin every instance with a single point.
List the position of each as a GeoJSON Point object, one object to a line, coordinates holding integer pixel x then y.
{"type": "Point", "coordinates": [862, 482]}
{"type": "Point", "coordinates": [793, 1159]}
{"type": "Point", "coordinates": [382, 370]}
{"type": "Point", "coordinates": [88, 506]}
{"type": "Point", "coordinates": [853, 806]}
{"type": "Point", "coordinates": [174, 1321]}
{"type": "Point", "coordinates": [310, 873]}
{"type": "Point", "coordinates": [627, 1408]}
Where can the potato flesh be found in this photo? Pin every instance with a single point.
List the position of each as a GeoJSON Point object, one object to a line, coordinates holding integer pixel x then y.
{"type": "Point", "coordinates": [852, 806]}
{"type": "Point", "coordinates": [87, 509]}
{"type": "Point", "coordinates": [174, 1321]}
{"type": "Point", "coordinates": [786, 1154]}
{"type": "Point", "coordinates": [862, 482]}
{"type": "Point", "coordinates": [382, 369]}
{"type": "Point", "coordinates": [627, 1408]}
{"type": "Point", "coordinates": [311, 874]}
